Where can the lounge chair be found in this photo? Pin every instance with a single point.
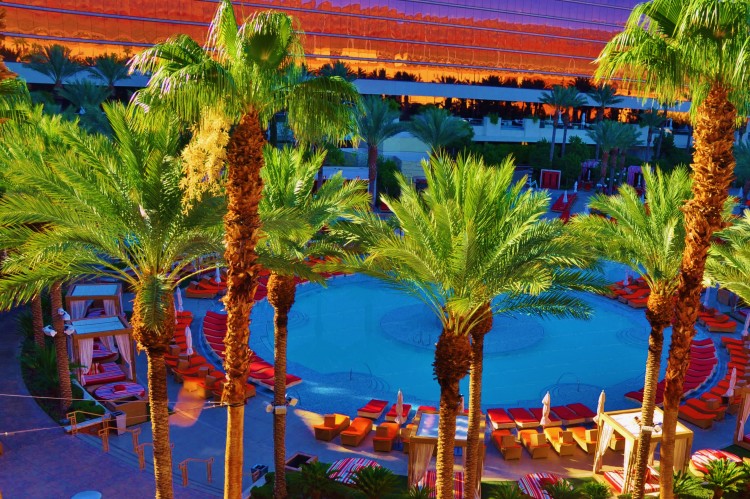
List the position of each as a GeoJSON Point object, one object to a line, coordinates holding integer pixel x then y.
{"type": "Point", "coordinates": [523, 418]}
{"type": "Point", "coordinates": [586, 439]}
{"type": "Point", "coordinates": [535, 443]}
{"type": "Point", "coordinates": [567, 415]}
{"type": "Point", "coordinates": [507, 444]}
{"type": "Point", "coordinates": [561, 441]}
{"type": "Point", "coordinates": [356, 432]}
{"type": "Point", "coordinates": [699, 461]}
{"type": "Point", "coordinates": [582, 411]}
{"type": "Point", "coordinates": [332, 425]}
{"type": "Point", "coordinates": [193, 291]}
{"type": "Point", "coordinates": [533, 484]}
{"type": "Point", "coordinates": [373, 409]}
{"type": "Point", "coordinates": [385, 435]}
{"type": "Point", "coordinates": [553, 420]}
{"type": "Point", "coordinates": [499, 419]}
{"type": "Point", "coordinates": [391, 414]}
{"type": "Point", "coordinates": [699, 419]}
{"type": "Point", "coordinates": [617, 479]}
{"type": "Point", "coordinates": [721, 327]}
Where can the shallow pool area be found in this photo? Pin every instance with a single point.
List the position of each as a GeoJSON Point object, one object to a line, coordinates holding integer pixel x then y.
{"type": "Point", "coordinates": [358, 331]}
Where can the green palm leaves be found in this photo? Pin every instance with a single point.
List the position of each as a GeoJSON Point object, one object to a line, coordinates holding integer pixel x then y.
{"type": "Point", "coordinates": [729, 262]}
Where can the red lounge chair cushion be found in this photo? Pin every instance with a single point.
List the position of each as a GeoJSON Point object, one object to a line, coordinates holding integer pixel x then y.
{"type": "Point", "coordinates": [499, 416]}
{"type": "Point", "coordinates": [582, 410]}
{"type": "Point", "coordinates": [522, 416]}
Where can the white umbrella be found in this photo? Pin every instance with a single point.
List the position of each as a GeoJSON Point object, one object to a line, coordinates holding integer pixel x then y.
{"type": "Point", "coordinates": [588, 174]}
{"type": "Point", "coordinates": [586, 210]}
{"type": "Point", "coordinates": [545, 410]}
{"type": "Point", "coordinates": [600, 406]}
{"type": "Point", "coordinates": [707, 298]}
{"type": "Point", "coordinates": [747, 324]}
{"type": "Point", "coordinates": [400, 408]}
{"type": "Point", "coordinates": [217, 275]}
{"type": "Point", "coordinates": [189, 340]}
{"type": "Point", "coordinates": [461, 405]}
{"type": "Point", "coordinates": [575, 186]}
{"type": "Point", "coordinates": [565, 197]}
{"type": "Point", "coordinates": [178, 299]}
{"type": "Point", "coordinates": [732, 382]}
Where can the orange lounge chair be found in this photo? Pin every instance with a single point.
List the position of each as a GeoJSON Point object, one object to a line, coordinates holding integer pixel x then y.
{"type": "Point", "coordinates": [499, 419]}
{"type": "Point", "coordinates": [356, 432]}
{"type": "Point", "coordinates": [721, 327]}
{"type": "Point", "coordinates": [332, 425]}
{"type": "Point", "coordinates": [507, 444]}
{"type": "Point", "coordinates": [617, 479]}
{"type": "Point", "coordinates": [373, 409]}
{"type": "Point", "coordinates": [699, 419]}
{"type": "Point", "coordinates": [535, 443]}
{"type": "Point", "coordinates": [561, 441]}
{"type": "Point", "coordinates": [385, 435]}
{"type": "Point", "coordinates": [586, 439]}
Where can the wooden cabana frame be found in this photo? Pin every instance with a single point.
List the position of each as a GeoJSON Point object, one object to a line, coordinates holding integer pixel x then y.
{"type": "Point", "coordinates": [80, 293]}
{"type": "Point", "coordinates": [626, 423]}
{"type": "Point", "coordinates": [101, 327]}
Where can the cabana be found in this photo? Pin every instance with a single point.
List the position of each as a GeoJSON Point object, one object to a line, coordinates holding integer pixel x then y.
{"type": "Point", "coordinates": [81, 296]}
{"type": "Point", "coordinates": [423, 441]}
{"type": "Point", "coordinates": [741, 437]}
{"type": "Point", "coordinates": [111, 330]}
{"type": "Point", "coordinates": [626, 424]}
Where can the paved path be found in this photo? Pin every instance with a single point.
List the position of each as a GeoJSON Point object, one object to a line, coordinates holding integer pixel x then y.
{"type": "Point", "coordinates": [49, 463]}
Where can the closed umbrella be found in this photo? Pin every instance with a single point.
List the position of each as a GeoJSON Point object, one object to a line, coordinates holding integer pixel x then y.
{"type": "Point", "coordinates": [707, 298]}
{"type": "Point", "coordinates": [747, 323]}
{"type": "Point", "coordinates": [575, 186]}
{"type": "Point", "coordinates": [189, 340]}
{"type": "Point", "coordinates": [178, 299]}
{"type": "Point", "coordinates": [545, 410]}
{"type": "Point", "coordinates": [600, 406]}
{"type": "Point", "coordinates": [741, 195]}
{"type": "Point", "coordinates": [565, 197]}
{"type": "Point", "coordinates": [217, 275]}
{"type": "Point", "coordinates": [400, 408]}
{"type": "Point", "coordinates": [732, 383]}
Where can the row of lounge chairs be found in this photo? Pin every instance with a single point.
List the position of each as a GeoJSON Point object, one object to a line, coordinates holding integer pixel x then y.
{"type": "Point", "coordinates": [571, 414]}
{"type": "Point", "coordinates": [633, 292]}
{"type": "Point", "coordinates": [715, 321]}
{"type": "Point", "coordinates": [703, 362]}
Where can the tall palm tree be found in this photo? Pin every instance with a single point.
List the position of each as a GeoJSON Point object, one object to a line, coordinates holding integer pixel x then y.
{"type": "Point", "coordinates": [605, 134]}
{"type": "Point", "coordinates": [288, 184]}
{"type": "Point", "coordinates": [471, 236]}
{"type": "Point", "coordinates": [653, 122]}
{"type": "Point", "coordinates": [438, 129]}
{"type": "Point", "coordinates": [377, 122]}
{"type": "Point", "coordinates": [54, 61]}
{"type": "Point", "coordinates": [560, 99]}
{"type": "Point", "coordinates": [114, 208]}
{"type": "Point", "coordinates": [668, 46]}
{"type": "Point", "coordinates": [649, 238]}
{"type": "Point", "coordinates": [571, 100]}
{"type": "Point", "coordinates": [627, 138]}
{"type": "Point", "coordinates": [110, 69]}
{"type": "Point", "coordinates": [242, 73]}
{"type": "Point", "coordinates": [84, 95]}
{"type": "Point", "coordinates": [338, 68]}
{"type": "Point", "coordinates": [604, 96]}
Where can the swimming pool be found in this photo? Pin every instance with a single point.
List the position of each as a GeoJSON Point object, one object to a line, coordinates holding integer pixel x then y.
{"type": "Point", "coordinates": [359, 327]}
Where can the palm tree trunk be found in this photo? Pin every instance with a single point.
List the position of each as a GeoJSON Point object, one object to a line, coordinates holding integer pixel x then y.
{"type": "Point", "coordinates": [242, 224]}
{"type": "Point", "coordinates": [281, 293]}
{"type": "Point", "coordinates": [552, 145]}
{"type": "Point", "coordinates": [61, 348]}
{"type": "Point", "coordinates": [649, 138]}
{"type": "Point", "coordinates": [153, 335]}
{"type": "Point", "coordinates": [452, 362]}
{"type": "Point", "coordinates": [372, 172]}
{"type": "Point", "coordinates": [659, 314]}
{"type": "Point", "coordinates": [565, 137]}
{"type": "Point", "coordinates": [474, 440]}
{"type": "Point", "coordinates": [713, 168]}
{"type": "Point", "coordinates": [37, 320]}
{"type": "Point", "coordinates": [603, 167]}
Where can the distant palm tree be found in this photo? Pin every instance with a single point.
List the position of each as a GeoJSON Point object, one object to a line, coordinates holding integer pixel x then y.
{"type": "Point", "coordinates": [438, 129]}
{"type": "Point", "coordinates": [338, 68]}
{"type": "Point", "coordinates": [653, 121]}
{"type": "Point", "coordinates": [604, 96]}
{"type": "Point", "coordinates": [54, 61]}
{"type": "Point", "coordinates": [560, 99]}
{"type": "Point", "coordinates": [377, 122]}
{"type": "Point", "coordinates": [288, 185]}
{"type": "Point", "coordinates": [84, 94]}
{"type": "Point", "coordinates": [605, 136]}
{"type": "Point", "coordinates": [110, 69]}
{"type": "Point", "coordinates": [242, 74]}
{"type": "Point", "coordinates": [572, 100]}
{"type": "Point", "coordinates": [666, 48]}
{"type": "Point", "coordinates": [649, 238]}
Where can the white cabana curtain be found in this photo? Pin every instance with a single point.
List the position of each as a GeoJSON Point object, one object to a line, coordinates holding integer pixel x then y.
{"type": "Point", "coordinates": [109, 307]}
{"type": "Point", "coordinates": [86, 355]}
{"type": "Point", "coordinates": [744, 413]}
{"type": "Point", "coordinates": [109, 342]}
{"type": "Point", "coordinates": [605, 435]}
{"type": "Point", "coordinates": [123, 344]}
{"type": "Point", "coordinates": [627, 468]}
{"type": "Point", "coordinates": [78, 308]}
{"type": "Point", "coordinates": [419, 459]}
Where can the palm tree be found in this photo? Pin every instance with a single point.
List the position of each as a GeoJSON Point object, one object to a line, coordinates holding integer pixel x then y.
{"type": "Point", "coordinates": [649, 238]}
{"type": "Point", "coordinates": [242, 74]}
{"type": "Point", "coordinates": [728, 262]}
{"type": "Point", "coordinates": [113, 208]}
{"type": "Point", "coordinates": [723, 475]}
{"type": "Point", "coordinates": [338, 68]}
{"type": "Point", "coordinates": [54, 61]}
{"type": "Point", "coordinates": [571, 100]}
{"type": "Point", "coordinates": [471, 236]}
{"type": "Point", "coordinates": [110, 69]}
{"type": "Point", "coordinates": [653, 121]}
{"type": "Point", "coordinates": [376, 123]}
{"type": "Point", "coordinates": [668, 46]}
{"type": "Point", "coordinates": [84, 94]}
{"type": "Point", "coordinates": [37, 320]}
{"type": "Point", "coordinates": [742, 170]}
{"type": "Point", "coordinates": [627, 138]}
{"type": "Point", "coordinates": [438, 129]}
{"type": "Point", "coordinates": [288, 184]}
{"type": "Point", "coordinates": [604, 95]}
{"type": "Point", "coordinates": [560, 98]}
{"type": "Point", "coordinates": [605, 134]}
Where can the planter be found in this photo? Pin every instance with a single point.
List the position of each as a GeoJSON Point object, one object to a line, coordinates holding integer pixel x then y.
{"type": "Point", "coordinates": [295, 462]}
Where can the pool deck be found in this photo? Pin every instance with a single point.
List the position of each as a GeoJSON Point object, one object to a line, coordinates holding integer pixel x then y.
{"type": "Point", "coordinates": [49, 463]}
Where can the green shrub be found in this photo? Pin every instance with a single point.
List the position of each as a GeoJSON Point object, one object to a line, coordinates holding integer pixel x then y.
{"type": "Point", "coordinates": [374, 482]}
{"type": "Point", "coordinates": [723, 476]}
{"type": "Point", "coordinates": [86, 409]}
{"type": "Point", "coordinates": [314, 480]}
{"type": "Point", "coordinates": [416, 492]}
{"type": "Point", "coordinates": [41, 363]}
{"type": "Point", "coordinates": [595, 490]}
{"type": "Point", "coordinates": [562, 489]}
{"type": "Point", "coordinates": [685, 485]}
{"type": "Point", "coordinates": [387, 182]}
{"type": "Point", "coordinates": [508, 490]}
{"type": "Point", "coordinates": [494, 118]}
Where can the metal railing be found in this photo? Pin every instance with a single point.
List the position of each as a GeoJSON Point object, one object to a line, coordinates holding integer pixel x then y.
{"type": "Point", "coordinates": [141, 453]}
{"type": "Point", "coordinates": [184, 468]}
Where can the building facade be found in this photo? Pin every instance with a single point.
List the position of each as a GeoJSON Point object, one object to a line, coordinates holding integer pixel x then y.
{"type": "Point", "coordinates": [553, 40]}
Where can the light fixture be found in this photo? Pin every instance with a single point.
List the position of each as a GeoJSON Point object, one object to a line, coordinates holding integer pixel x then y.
{"type": "Point", "coordinates": [62, 313]}
{"type": "Point", "coordinates": [291, 400]}
{"type": "Point", "coordinates": [269, 407]}
{"type": "Point", "coordinates": [49, 331]}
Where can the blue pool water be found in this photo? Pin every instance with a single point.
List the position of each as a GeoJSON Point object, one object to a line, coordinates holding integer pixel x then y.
{"type": "Point", "coordinates": [358, 328]}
